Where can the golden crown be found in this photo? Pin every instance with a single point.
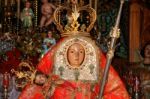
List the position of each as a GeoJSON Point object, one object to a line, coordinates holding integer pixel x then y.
{"type": "Point", "coordinates": [73, 14]}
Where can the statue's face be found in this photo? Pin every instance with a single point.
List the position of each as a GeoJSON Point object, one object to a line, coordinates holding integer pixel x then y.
{"type": "Point", "coordinates": [49, 34]}
{"type": "Point", "coordinates": [40, 79]}
{"type": "Point", "coordinates": [75, 55]}
{"type": "Point", "coordinates": [28, 4]}
{"type": "Point", "coordinates": [44, 1]}
{"type": "Point", "coordinates": [147, 51]}
{"type": "Point", "coordinates": [74, 1]}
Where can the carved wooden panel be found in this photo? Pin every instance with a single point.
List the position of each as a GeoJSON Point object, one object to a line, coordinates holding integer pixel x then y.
{"type": "Point", "coordinates": [139, 28]}
{"type": "Point", "coordinates": [145, 33]}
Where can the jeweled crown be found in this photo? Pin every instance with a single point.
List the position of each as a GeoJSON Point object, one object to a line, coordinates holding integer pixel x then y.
{"type": "Point", "coordinates": [73, 15]}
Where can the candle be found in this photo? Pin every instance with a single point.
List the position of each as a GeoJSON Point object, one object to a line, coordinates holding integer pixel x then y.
{"type": "Point", "coordinates": [6, 2]}
{"type": "Point", "coordinates": [6, 80]}
{"type": "Point", "coordinates": [90, 2]}
{"type": "Point", "coordinates": [68, 1]}
{"type": "Point", "coordinates": [12, 2]}
{"type": "Point", "coordinates": [95, 5]}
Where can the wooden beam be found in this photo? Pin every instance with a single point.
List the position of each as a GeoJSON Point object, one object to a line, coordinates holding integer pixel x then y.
{"type": "Point", "coordinates": [134, 31]}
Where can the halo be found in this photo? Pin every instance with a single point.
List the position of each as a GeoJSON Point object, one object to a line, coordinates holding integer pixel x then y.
{"type": "Point", "coordinates": [91, 60]}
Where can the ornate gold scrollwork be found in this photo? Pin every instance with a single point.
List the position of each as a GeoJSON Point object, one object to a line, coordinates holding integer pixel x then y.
{"type": "Point", "coordinates": [75, 27]}
{"type": "Point", "coordinates": [24, 74]}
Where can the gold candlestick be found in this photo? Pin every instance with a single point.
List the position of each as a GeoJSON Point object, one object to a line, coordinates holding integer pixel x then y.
{"type": "Point", "coordinates": [5, 93]}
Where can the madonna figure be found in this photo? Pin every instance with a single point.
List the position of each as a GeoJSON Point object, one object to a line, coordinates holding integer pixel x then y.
{"type": "Point", "coordinates": [27, 15]}
{"type": "Point", "coordinates": [74, 67]}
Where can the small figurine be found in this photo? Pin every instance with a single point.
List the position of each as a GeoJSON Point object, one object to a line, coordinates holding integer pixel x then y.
{"type": "Point", "coordinates": [47, 13]}
{"type": "Point", "coordinates": [83, 28]}
{"type": "Point", "coordinates": [8, 36]}
{"type": "Point", "coordinates": [69, 17]}
{"type": "Point", "coordinates": [27, 15]}
{"type": "Point", "coordinates": [137, 88]}
{"type": "Point", "coordinates": [48, 42]}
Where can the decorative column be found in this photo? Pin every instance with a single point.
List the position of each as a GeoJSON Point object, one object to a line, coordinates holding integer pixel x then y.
{"type": "Point", "coordinates": [1, 16]}
{"type": "Point", "coordinates": [18, 14]}
{"type": "Point", "coordinates": [12, 2]}
{"type": "Point", "coordinates": [93, 4]}
{"type": "Point", "coordinates": [134, 31]}
{"type": "Point", "coordinates": [6, 2]}
{"type": "Point", "coordinates": [36, 13]}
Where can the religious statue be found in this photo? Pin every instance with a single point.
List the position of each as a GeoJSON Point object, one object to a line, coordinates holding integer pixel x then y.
{"type": "Point", "coordinates": [145, 72]}
{"type": "Point", "coordinates": [27, 15]}
{"type": "Point", "coordinates": [74, 67]}
{"type": "Point", "coordinates": [48, 42]}
{"type": "Point", "coordinates": [40, 78]}
{"type": "Point", "coordinates": [147, 54]}
{"type": "Point", "coordinates": [145, 83]}
{"type": "Point", "coordinates": [47, 13]}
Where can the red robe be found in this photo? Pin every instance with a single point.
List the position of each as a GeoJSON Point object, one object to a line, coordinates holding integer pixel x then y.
{"type": "Point", "coordinates": [114, 88]}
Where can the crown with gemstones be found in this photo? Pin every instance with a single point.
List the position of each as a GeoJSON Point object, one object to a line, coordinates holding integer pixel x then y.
{"type": "Point", "coordinates": [74, 14]}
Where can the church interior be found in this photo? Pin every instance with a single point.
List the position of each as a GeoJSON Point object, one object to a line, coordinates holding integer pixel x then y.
{"type": "Point", "coordinates": [28, 31]}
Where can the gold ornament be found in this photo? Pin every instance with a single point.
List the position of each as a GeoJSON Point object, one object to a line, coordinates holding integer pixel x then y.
{"type": "Point", "coordinates": [75, 28]}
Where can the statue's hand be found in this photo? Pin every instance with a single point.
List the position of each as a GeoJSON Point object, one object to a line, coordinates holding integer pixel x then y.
{"type": "Point", "coordinates": [27, 14]}
{"type": "Point", "coordinates": [51, 80]}
{"type": "Point", "coordinates": [49, 86]}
